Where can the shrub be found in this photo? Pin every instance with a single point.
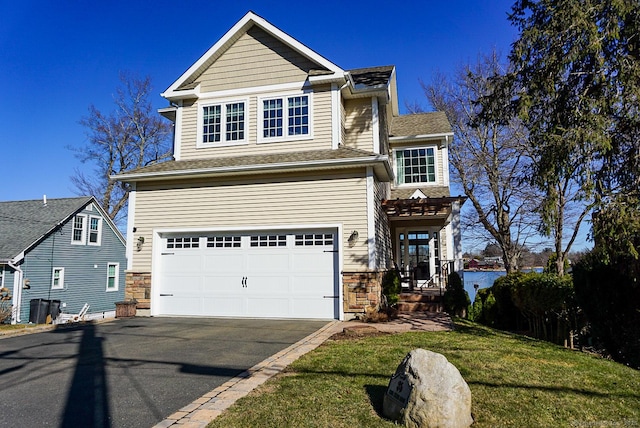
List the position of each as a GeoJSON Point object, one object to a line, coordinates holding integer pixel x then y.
{"type": "Point", "coordinates": [608, 289]}
{"type": "Point", "coordinates": [391, 286]}
{"type": "Point", "coordinates": [544, 304]}
{"type": "Point", "coordinates": [505, 314]}
{"type": "Point", "coordinates": [547, 302]}
{"type": "Point", "coordinates": [456, 299]}
{"type": "Point", "coordinates": [483, 309]}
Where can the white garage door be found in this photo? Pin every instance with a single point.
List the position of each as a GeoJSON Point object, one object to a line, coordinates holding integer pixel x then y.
{"type": "Point", "coordinates": [265, 275]}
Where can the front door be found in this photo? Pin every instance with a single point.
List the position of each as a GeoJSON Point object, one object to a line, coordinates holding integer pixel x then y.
{"type": "Point", "coordinates": [415, 257]}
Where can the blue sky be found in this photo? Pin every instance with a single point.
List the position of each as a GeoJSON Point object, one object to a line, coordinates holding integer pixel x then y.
{"type": "Point", "coordinates": [57, 58]}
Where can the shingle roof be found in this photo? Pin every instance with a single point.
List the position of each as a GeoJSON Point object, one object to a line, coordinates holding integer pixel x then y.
{"type": "Point", "coordinates": [372, 76]}
{"type": "Point", "coordinates": [22, 223]}
{"type": "Point", "coordinates": [420, 124]}
{"type": "Point", "coordinates": [342, 153]}
{"type": "Point", "coordinates": [429, 192]}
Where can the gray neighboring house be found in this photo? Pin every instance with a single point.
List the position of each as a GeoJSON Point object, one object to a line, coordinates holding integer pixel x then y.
{"type": "Point", "coordinates": [63, 250]}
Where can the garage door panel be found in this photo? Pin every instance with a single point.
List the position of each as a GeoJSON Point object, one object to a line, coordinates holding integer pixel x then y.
{"type": "Point", "coordinates": [252, 275]}
{"type": "Point", "coordinates": [181, 286]}
{"type": "Point", "coordinates": [312, 308]}
{"type": "Point", "coordinates": [268, 261]}
{"type": "Point", "coordinates": [189, 262]}
{"type": "Point", "coordinates": [230, 262]}
{"type": "Point", "coordinates": [231, 283]}
{"type": "Point", "coordinates": [267, 306]}
{"type": "Point", "coordinates": [312, 262]}
{"type": "Point", "coordinates": [223, 306]}
{"type": "Point", "coordinates": [268, 285]}
{"type": "Point", "coordinates": [312, 285]}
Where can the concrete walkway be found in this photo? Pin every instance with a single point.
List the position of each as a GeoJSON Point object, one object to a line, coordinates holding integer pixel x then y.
{"type": "Point", "coordinates": [205, 409]}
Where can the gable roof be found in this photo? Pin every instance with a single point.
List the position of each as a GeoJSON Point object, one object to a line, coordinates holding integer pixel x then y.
{"type": "Point", "coordinates": [185, 85]}
{"type": "Point", "coordinates": [25, 223]}
{"type": "Point", "coordinates": [420, 125]}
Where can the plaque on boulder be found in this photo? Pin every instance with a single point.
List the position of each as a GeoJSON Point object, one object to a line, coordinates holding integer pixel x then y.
{"type": "Point", "coordinates": [399, 389]}
{"type": "Point", "coordinates": [428, 391]}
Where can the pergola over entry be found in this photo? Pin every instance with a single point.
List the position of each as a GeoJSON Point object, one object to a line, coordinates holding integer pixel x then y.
{"type": "Point", "coordinates": [416, 226]}
{"type": "Point", "coordinates": [440, 208]}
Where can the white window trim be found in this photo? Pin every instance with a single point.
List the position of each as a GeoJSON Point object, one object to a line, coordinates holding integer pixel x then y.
{"type": "Point", "coordinates": [223, 141]}
{"type": "Point", "coordinates": [435, 164]}
{"type": "Point", "coordinates": [60, 285]}
{"type": "Point", "coordinates": [117, 277]}
{"type": "Point", "coordinates": [99, 242]}
{"type": "Point", "coordinates": [285, 138]}
{"type": "Point", "coordinates": [83, 240]}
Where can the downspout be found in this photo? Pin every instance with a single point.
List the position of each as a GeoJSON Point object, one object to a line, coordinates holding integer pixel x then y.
{"type": "Point", "coordinates": [17, 292]}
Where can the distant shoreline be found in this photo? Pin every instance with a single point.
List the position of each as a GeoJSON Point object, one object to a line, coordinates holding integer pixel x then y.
{"type": "Point", "coordinates": [525, 269]}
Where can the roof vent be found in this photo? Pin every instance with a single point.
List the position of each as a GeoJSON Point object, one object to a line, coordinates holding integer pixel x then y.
{"type": "Point", "coordinates": [44, 200]}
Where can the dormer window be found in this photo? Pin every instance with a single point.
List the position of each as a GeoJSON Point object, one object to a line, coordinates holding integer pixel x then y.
{"type": "Point", "coordinates": [222, 123]}
{"type": "Point", "coordinates": [415, 165]}
{"type": "Point", "coordinates": [285, 118]}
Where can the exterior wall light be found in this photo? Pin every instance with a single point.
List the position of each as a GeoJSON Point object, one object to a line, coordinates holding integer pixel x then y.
{"type": "Point", "coordinates": [353, 238]}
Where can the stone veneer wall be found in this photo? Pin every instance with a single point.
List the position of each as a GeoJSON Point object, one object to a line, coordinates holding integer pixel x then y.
{"type": "Point", "coordinates": [361, 290]}
{"type": "Point", "coordinates": [138, 286]}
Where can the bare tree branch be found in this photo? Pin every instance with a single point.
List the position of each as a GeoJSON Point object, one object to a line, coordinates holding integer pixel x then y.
{"type": "Point", "coordinates": [130, 137]}
{"type": "Point", "coordinates": [489, 159]}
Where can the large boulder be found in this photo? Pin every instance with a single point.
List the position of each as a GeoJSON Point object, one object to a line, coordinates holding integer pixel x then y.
{"type": "Point", "coordinates": [428, 391]}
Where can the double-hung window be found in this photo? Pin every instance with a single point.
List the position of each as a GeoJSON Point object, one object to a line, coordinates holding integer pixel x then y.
{"type": "Point", "coordinates": [285, 117]}
{"type": "Point", "coordinates": [416, 165]}
{"type": "Point", "coordinates": [95, 230]}
{"type": "Point", "coordinates": [57, 278]}
{"type": "Point", "coordinates": [223, 123]}
{"type": "Point", "coordinates": [113, 276]}
{"type": "Point", "coordinates": [79, 229]}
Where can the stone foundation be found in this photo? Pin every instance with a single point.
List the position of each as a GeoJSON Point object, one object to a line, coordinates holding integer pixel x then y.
{"type": "Point", "coordinates": [361, 290]}
{"type": "Point", "coordinates": [138, 286]}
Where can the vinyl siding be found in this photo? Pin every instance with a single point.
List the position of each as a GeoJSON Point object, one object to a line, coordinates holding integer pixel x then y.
{"type": "Point", "coordinates": [256, 203]}
{"type": "Point", "coordinates": [255, 59]}
{"type": "Point", "coordinates": [322, 133]}
{"type": "Point", "coordinates": [358, 126]}
{"type": "Point", "coordinates": [85, 271]}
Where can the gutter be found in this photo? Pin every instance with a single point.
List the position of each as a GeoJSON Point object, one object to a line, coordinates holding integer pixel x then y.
{"type": "Point", "coordinates": [445, 135]}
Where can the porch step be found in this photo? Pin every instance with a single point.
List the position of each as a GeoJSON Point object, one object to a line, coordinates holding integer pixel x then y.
{"type": "Point", "coordinates": [419, 307]}
{"type": "Point", "coordinates": [420, 301]}
{"type": "Point", "coordinates": [419, 297]}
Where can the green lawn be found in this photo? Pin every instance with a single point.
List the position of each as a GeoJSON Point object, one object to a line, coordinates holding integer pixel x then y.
{"type": "Point", "coordinates": [515, 381]}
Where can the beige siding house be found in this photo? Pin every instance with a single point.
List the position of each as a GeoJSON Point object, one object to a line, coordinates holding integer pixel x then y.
{"type": "Point", "coordinates": [294, 186]}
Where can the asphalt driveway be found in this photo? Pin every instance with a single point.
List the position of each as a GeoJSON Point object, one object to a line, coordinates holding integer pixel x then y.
{"type": "Point", "coordinates": [130, 372]}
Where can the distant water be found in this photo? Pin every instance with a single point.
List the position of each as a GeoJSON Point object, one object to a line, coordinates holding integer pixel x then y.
{"type": "Point", "coordinates": [484, 279]}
